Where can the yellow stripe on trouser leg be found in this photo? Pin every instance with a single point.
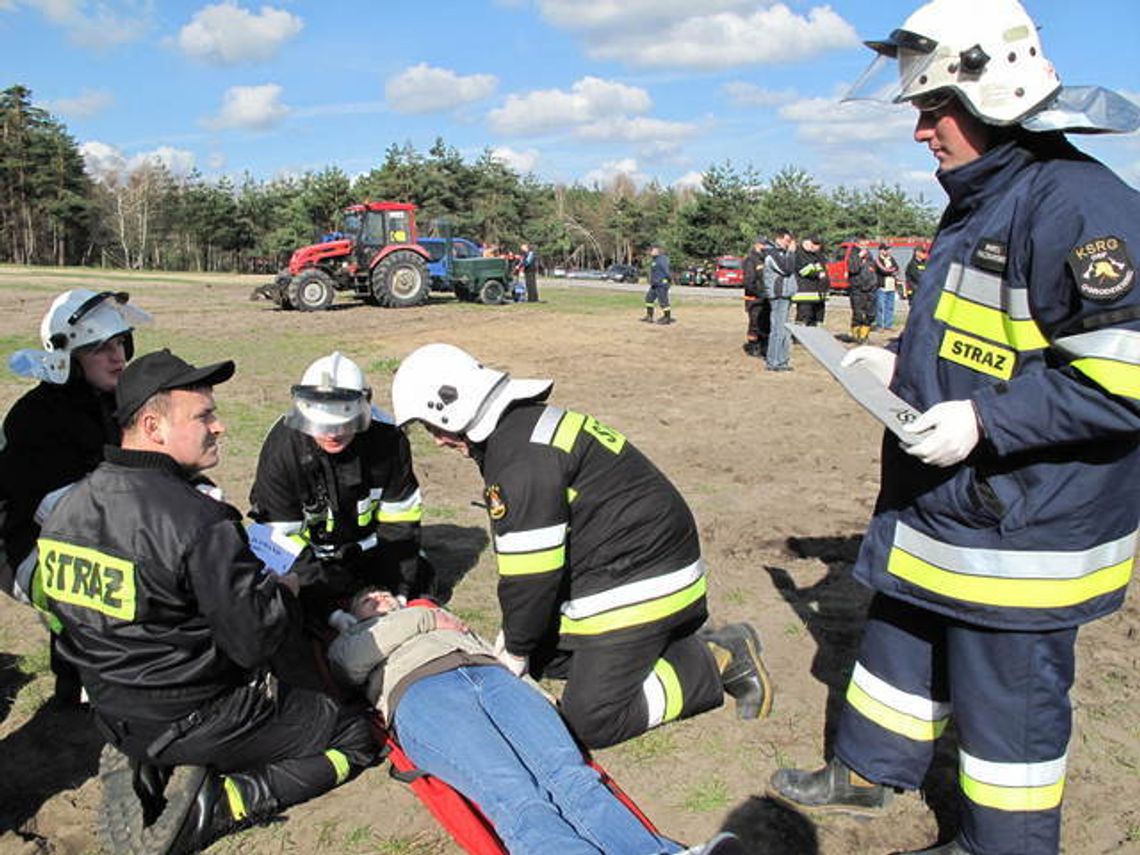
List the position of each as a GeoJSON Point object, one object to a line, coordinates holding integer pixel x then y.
{"type": "Point", "coordinates": [234, 798]}
{"type": "Point", "coordinates": [890, 719]}
{"type": "Point", "coordinates": [1012, 798]}
{"type": "Point", "coordinates": [674, 697]}
{"type": "Point", "coordinates": [339, 763]}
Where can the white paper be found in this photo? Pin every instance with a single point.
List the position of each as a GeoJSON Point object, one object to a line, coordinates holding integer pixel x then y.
{"type": "Point", "coordinates": [274, 548]}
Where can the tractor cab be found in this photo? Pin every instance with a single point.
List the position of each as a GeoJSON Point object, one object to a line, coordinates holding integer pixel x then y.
{"type": "Point", "coordinates": [378, 225]}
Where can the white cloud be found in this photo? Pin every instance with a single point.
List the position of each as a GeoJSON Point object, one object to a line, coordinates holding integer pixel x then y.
{"type": "Point", "coordinates": [424, 89]}
{"type": "Point", "coordinates": [106, 163]}
{"type": "Point", "coordinates": [226, 34]}
{"type": "Point", "coordinates": [828, 122]}
{"type": "Point", "coordinates": [722, 34]}
{"type": "Point", "coordinates": [690, 181]}
{"type": "Point", "coordinates": [522, 162]}
{"type": "Point", "coordinates": [250, 107]}
{"type": "Point", "coordinates": [96, 23]}
{"type": "Point", "coordinates": [216, 162]}
{"type": "Point", "coordinates": [635, 129]}
{"type": "Point", "coordinates": [611, 169]}
{"type": "Point", "coordinates": [88, 102]}
{"type": "Point", "coordinates": [590, 99]}
{"type": "Point", "coordinates": [751, 95]}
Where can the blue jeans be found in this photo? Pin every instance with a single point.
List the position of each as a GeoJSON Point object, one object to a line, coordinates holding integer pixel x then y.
{"type": "Point", "coordinates": [780, 341]}
{"type": "Point", "coordinates": [884, 309]}
{"type": "Point", "coordinates": [500, 743]}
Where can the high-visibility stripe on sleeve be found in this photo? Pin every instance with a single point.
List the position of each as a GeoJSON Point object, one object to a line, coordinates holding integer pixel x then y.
{"type": "Point", "coordinates": [1110, 358]}
{"type": "Point", "coordinates": [531, 539]}
{"type": "Point", "coordinates": [568, 430]}
{"type": "Point", "coordinates": [635, 615]}
{"type": "Point", "coordinates": [532, 563]}
{"type": "Point", "coordinates": [410, 509]}
{"type": "Point", "coordinates": [671, 687]}
{"type": "Point", "coordinates": [1012, 786]}
{"type": "Point", "coordinates": [913, 716]}
{"type": "Point", "coordinates": [339, 763]}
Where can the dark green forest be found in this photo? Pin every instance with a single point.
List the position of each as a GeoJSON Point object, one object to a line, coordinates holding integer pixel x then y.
{"type": "Point", "coordinates": [52, 212]}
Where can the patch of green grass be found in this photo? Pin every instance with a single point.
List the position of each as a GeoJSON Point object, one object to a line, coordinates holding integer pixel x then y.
{"type": "Point", "coordinates": [359, 837]}
{"type": "Point", "coordinates": [435, 513]}
{"type": "Point", "coordinates": [737, 596]}
{"type": "Point", "coordinates": [418, 845]}
{"type": "Point", "coordinates": [794, 630]}
{"type": "Point", "coordinates": [385, 365]}
{"type": "Point", "coordinates": [1132, 833]}
{"type": "Point", "coordinates": [327, 835]}
{"type": "Point", "coordinates": [707, 796]}
{"type": "Point", "coordinates": [649, 746]}
{"type": "Point", "coordinates": [36, 663]}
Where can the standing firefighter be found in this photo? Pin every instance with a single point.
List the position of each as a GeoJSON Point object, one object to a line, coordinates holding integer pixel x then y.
{"type": "Point", "coordinates": [756, 305]}
{"type": "Point", "coordinates": [811, 283]}
{"type": "Point", "coordinates": [335, 482]}
{"type": "Point", "coordinates": [600, 568]}
{"type": "Point", "coordinates": [1013, 520]}
{"type": "Point", "coordinates": [660, 278]}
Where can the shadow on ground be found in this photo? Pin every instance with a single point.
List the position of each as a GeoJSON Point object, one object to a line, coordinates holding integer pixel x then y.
{"type": "Point", "coordinates": [834, 610]}
{"type": "Point", "coordinates": [454, 551]}
{"type": "Point", "coordinates": [764, 825]}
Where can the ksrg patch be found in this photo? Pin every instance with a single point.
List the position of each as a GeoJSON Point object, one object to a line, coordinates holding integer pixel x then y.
{"type": "Point", "coordinates": [496, 507]}
{"type": "Point", "coordinates": [1103, 269]}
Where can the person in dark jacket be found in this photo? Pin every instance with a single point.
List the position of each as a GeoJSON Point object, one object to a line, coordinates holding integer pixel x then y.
{"type": "Point", "coordinates": [528, 267]}
{"type": "Point", "coordinates": [862, 285]}
{"type": "Point", "coordinates": [1014, 518]}
{"type": "Point", "coordinates": [55, 434]}
{"type": "Point", "coordinates": [660, 278]}
{"type": "Point", "coordinates": [914, 270]}
{"type": "Point", "coordinates": [780, 289]}
{"type": "Point", "coordinates": [335, 486]}
{"type": "Point", "coordinates": [600, 568]}
{"type": "Point", "coordinates": [173, 622]}
{"type": "Point", "coordinates": [756, 305]}
{"type": "Point", "coordinates": [811, 283]}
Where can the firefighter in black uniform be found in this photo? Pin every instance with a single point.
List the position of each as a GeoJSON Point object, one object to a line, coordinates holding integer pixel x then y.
{"type": "Point", "coordinates": [756, 305]}
{"type": "Point", "coordinates": [810, 298]}
{"type": "Point", "coordinates": [55, 433]}
{"type": "Point", "coordinates": [172, 620]}
{"type": "Point", "coordinates": [335, 484]}
{"type": "Point", "coordinates": [600, 568]}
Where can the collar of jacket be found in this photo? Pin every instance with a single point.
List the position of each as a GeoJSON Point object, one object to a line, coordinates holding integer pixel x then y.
{"type": "Point", "coordinates": [972, 184]}
{"type": "Point", "coordinates": [144, 460]}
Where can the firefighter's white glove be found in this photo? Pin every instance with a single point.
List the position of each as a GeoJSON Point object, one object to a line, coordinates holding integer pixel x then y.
{"type": "Point", "coordinates": [953, 433]}
{"type": "Point", "coordinates": [878, 360]}
{"type": "Point", "coordinates": [517, 665]}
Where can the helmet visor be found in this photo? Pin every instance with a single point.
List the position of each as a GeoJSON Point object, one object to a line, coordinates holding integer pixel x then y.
{"type": "Point", "coordinates": [896, 74]}
{"type": "Point", "coordinates": [328, 412]}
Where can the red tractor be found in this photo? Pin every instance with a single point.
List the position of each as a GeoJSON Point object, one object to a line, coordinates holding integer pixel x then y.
{"type": "Point", "coordinates": [375, 255]}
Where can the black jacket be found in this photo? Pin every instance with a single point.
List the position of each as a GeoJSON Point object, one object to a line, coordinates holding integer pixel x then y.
{"type": "Point", "coordinates": [163, 605]}
{"type": "Point", "coordinates": [754, 273]}
{"type": "Point", "coordinates": [579, 515]}
{"type": "Point", "coordinates": [368, 493]}
{"type": "Point", "coordinates": [53, 436]}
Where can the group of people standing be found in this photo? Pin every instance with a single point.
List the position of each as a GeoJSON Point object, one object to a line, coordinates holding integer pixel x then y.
{"type": "Point", "coordinates": [874, 282]}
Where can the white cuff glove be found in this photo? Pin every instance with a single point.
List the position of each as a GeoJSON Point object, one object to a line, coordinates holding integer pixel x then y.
{"type": "Point", "coordinates": [878, 360]}
{"type": "Point", "coordinates": [517, 665]}
{"type": "Point", "coordinates": [953, 433]}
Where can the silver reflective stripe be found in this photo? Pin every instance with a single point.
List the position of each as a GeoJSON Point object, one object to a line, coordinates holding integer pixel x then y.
{"type": "Point", "coordinates": [286, 528]}
{"type": "Point", "coordinates": [369, 542]}
{"type": "Point", "coordinates": [1119, 345]}
{"type": "Point", "coordinates": [988, 289]}
{"type": "Point", "coordinates": [1012, 563]}
{"type": "Point", "coordinates": [531, 540]}
{"type": "Point", "coordinates": [404, 505]}
{"type": "Point", "coordinates": [916, 706]}
{"type": "Point", "coordinates": [634, 592]}
{"type": "Point", "coordinates": [1043, 774]}
{"type": "Point", "coordinates": [654, 698]}
{"type": "Point", "coordinates": [546, 425]}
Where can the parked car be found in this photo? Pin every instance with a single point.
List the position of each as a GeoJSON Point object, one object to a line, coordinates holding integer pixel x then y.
{"type": "Point", "coordinates": [729, 271]}
{"type": "Point", "coordinates": [695, 275]}
{"type": "Point", "coordinates": [558, 271]}
{"type": "Point", "coordinates": [622, 273]}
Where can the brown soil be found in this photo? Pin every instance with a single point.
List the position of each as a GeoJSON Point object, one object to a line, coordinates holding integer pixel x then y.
{"type": "Point", "coordinates": [781, 470]}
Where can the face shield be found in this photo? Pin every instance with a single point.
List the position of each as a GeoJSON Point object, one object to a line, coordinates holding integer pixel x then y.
{"type": "Point", "coordinates": [901, 60]}
{"type": "Point", "coordinates": [322, 412]}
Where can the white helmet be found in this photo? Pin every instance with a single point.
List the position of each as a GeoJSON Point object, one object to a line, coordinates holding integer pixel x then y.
{"type": "Point", "coordinates": [76, 319]}
{"type": "Point", "coordinates": [985, 51]}
{"type": "Point", "coordinates": [448, 388]}
{"type": "Point", "coordinates": [332, 398]}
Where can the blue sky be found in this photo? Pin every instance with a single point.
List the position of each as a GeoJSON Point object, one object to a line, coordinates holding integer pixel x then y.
{"type": "Point", "coordinates": [571, 90]}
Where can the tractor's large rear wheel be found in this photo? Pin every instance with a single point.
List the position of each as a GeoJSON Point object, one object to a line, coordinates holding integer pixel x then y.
{"type": "Point", "coordinates": [311, 290]}
{"type": "Point", "coordinates": [401, 280]}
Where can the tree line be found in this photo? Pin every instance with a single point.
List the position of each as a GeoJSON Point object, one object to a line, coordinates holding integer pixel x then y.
{"type": "Point", "coordinates": [142, 216]}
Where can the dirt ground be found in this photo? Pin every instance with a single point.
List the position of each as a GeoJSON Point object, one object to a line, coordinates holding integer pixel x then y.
{"type": "Point", "coordinates": [781, 470]}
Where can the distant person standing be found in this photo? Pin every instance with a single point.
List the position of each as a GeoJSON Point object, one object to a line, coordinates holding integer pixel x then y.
{"type": "Point", "coordinates": [528, 265]}
{"type": "Point", "coordinates": [660, 278]}
{"type": "Point", "coordinates": [861, 287]}
{"type": "Point", "coordinates": [914, 270]}
{"type": "Point", "coordinates": [779, 288]}
{"type": "Point", "coordinates": [756, 304]}
{"type": "Point", "coordinates": [887, 271]}
{"type": "Point", "coordinates": [811, 283]}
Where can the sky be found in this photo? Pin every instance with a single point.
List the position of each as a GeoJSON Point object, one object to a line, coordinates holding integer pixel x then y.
{"type": "Point", "coordinates": [566, 90]}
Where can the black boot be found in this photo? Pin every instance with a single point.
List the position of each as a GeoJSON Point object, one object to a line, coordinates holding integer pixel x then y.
{"type": "Point", "coordinates": [648, 319]}
{"type": "Point", "coordinates": [835, 787]}
{"type": "Point", "coordinates": [225, 803]}
{"type": "Point", "coordinates": [666, 318]}
{"type": "Point", "coordinates": [736, 649]}
{"type": "Point", "coordinates": [953, 847]}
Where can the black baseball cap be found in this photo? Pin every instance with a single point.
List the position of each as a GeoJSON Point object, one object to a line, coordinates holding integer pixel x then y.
{"type": "Point", "coordinates": [162, 371]}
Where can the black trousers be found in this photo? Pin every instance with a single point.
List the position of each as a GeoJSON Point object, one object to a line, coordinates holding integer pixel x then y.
{"type": "Point", "coordinates": [862, 308]}
{"type": "Point", "coordinates": [531, 277]}
{"type": "Point", "coordinates": [810, 312]}
{"type": "Point", "coordinates": [759, 313]}
{"type": "Point", "coordinates": [618, 691]}
{"type": "Point", "coordinates": [303, 741]}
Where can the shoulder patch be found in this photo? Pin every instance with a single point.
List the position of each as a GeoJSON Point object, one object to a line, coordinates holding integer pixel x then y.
{"type": "Point", "coordinates": [496, 507]}
{"type": "Point", "coordinates": [1103, 269]}
{"type": "Point", "coordinates": [991, 254]}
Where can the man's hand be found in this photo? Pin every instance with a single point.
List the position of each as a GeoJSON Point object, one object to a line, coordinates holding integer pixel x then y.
{"type": "Point", "coordinates": [878, 360]}
{"type": "Point", "coordinates": [953, 433]}
{"type": "Point", "coordinates": [517, 665]}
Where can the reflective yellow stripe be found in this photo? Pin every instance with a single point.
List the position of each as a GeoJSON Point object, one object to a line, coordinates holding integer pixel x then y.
{"type": "Point", "coordinates": [339, 764]}
{"type": "Point", "coordinates": [365, 517]}
{"type": "Point", "coordinates": [674, 697]}
{"type": "Point", "coordinates": [1119, 378]}
{"type": "Point", "coordinates": [234, 798]}
{"type": "Point", "coordinates": [989, 323]}
{"type": "Point", "coordinates": [86, 578]}
{"type": "Point", "coordinates": [807, 297]}
{"type": "Point", "coordinates": [568, 430]}
{"type": "Point", "coordinates": [1012, 798]}
{"type": "Point", "coordinates": [637, 614]}
{"type": "Point", "coordinates": [1006, 592]}
{"type": "Point", "coordinates": [39, 601]}
{"type": "Point", "coordinates": [571, 495]}
{"type": "Point", "coordinates": [920, 730]}
{"type": "Point", "coordinates": [415, 514]}
{"type": "Point", "coordinates": [532, 563]}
